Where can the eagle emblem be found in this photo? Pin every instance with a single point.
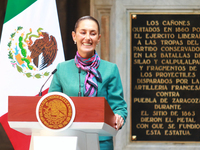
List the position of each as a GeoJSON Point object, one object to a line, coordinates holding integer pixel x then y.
{"type": "Point", "coordinates": [55, 111]}
{"type": "Point", "coordinates": [32, 52]}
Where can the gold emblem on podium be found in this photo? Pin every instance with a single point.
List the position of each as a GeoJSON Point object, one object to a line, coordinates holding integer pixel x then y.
{"type": "Point", "coordinates": [55, 111]}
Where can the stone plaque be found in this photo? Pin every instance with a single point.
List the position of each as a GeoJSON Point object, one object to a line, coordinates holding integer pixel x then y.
{"type": "Point", "coordinates": [165, 77]}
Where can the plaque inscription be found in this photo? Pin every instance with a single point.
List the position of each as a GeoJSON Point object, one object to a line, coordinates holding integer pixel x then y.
{"type": "Point", "coordinates": [165, 71]}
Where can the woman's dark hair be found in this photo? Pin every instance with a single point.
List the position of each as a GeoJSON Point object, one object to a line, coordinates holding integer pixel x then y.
{"type": "Point", "coordinates": [85, 18]}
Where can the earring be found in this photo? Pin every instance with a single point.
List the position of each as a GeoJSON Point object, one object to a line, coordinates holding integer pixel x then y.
{"type": "Point", "coordinates": [74, 42]}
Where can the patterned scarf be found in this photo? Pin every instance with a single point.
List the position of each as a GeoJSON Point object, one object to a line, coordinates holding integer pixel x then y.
{"type": "Point", "coordinates": [90, 65]}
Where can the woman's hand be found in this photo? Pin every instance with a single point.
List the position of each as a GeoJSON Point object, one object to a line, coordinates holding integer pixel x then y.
{"type": "Point", "coordinates": [119, 121]}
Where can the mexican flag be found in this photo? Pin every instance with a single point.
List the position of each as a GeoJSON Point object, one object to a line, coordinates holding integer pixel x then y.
{"type": "Point", "coordinates": [30, 49]}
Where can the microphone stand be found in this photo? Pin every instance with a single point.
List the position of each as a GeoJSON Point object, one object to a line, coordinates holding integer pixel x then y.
{"type": "Point", "coordinates": [79, 93]}
{"type": "Point", "coordinates": [40, 93]}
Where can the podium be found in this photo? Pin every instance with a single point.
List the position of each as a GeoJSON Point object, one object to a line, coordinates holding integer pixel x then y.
{"type": "Point", "coordinates": [93, 118]}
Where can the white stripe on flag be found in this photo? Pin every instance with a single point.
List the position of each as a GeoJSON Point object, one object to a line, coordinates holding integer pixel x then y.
{"type": "Point", "coordinates": [41, 14]}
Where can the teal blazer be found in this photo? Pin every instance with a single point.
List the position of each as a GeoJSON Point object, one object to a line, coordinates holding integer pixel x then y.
{"type": "Point", "coordinates": [66, 80]}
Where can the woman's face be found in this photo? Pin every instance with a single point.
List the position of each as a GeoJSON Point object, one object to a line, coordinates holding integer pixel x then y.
{"type": "Point", "coordinates": [87, 37]}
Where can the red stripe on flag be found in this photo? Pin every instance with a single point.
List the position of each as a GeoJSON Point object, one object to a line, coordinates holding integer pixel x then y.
{"type": "Point", "coordinates": [44, 92]}
{"type": "Point", "coordinates": [19, 140]}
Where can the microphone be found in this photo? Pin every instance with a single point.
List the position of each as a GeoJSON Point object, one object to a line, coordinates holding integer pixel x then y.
{"type": "Point", "coordinates": [40, 93]}
{"type": "Point", "coordinates": [79, 93]}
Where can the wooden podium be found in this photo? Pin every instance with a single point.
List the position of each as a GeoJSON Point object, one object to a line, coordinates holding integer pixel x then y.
{"type": "Point", "coordinates": [93, 118]}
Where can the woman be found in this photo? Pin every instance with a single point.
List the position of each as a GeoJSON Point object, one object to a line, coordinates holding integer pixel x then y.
{"type": "Point", "coordinates": [98, 77]}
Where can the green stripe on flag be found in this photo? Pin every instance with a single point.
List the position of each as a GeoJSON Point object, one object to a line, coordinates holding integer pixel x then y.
{"type": "Point", "coordinates": [14, 7]}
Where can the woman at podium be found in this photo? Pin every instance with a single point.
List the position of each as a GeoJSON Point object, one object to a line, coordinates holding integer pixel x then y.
{"type": "Point", "coordinates": [88, 75]}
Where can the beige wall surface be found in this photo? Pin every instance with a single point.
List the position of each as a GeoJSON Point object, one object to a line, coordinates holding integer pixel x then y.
{"type": "Point", "coordinates": [115, 15]}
